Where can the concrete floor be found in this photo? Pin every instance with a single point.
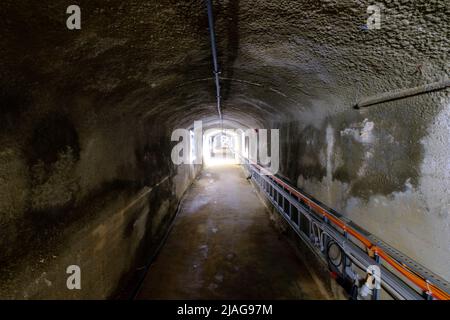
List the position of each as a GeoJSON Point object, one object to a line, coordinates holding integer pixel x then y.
{"type": "Point", "coordinates": [223, 246]}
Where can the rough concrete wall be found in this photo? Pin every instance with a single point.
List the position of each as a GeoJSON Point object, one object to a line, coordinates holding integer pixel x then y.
{"type": "Point", "coordinates": [82, 136]}
{"type": "Point", "coordinates": [82, 189]}
{"type": "Point", "coordinates": [74, 105]}
{"type": "Point", "coordinates": [113, 240]}
{"type": "Point", "coordinates": [386, 168]}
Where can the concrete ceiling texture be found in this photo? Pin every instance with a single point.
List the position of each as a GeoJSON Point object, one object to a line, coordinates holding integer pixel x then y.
{"type": "Point", "coordinates": [279, 60]}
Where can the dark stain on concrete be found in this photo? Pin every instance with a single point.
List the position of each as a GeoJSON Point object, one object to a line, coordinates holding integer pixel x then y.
{"type": "Point", "coordinates": [51, 136]}
{"type": "Point", "coordinates": [300, 152]}
{"type": "Point", "coordinates": [13, 103]}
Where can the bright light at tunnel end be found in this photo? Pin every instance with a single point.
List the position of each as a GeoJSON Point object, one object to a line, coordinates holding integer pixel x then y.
{"type": "Point", "coordinates": [227, 146]}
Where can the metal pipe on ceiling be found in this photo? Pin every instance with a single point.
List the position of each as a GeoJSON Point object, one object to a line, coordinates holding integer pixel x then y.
{"type": "Point", "coordinates": [403, 93]}
{"type": "Point", "coordinates": [214, 56]}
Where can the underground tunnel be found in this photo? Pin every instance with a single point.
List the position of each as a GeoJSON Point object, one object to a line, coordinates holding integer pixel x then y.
{"type": "Point", "coordinates": [225, 149]}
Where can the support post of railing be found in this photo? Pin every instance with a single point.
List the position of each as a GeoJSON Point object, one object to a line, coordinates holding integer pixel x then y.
{"type": "Point", "coordinates": [344, 258]}
{"type": "Point", "coordinates": [376, 291]}
{"type": "Point", "coordinates": [428, 294]}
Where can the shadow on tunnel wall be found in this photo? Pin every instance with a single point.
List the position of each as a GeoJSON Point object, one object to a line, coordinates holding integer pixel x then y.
{"type": "Point", "coordinates": [71, 199]}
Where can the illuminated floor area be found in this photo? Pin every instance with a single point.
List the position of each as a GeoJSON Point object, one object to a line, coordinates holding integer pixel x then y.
{"type": "Point", "coordinates": [219, 158]}
{"type": "Point", "coordinates": [223, 246]}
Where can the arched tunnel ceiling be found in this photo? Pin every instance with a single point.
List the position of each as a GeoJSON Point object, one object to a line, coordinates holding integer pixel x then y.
{"type": "Point", "coordinates": [280, 60]}
{"type": "Point", "coordinates": [85, 117]}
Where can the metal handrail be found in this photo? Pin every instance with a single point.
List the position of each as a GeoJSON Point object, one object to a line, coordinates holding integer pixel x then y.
{"type": "Point", "coordinates": [358, 245]}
